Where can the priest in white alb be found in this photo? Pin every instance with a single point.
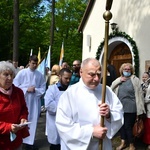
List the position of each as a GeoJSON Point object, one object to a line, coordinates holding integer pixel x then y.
{"type": "Point", "coordinates": [33, 84]}
{"type": "Point", "coordinates": [79, 111]}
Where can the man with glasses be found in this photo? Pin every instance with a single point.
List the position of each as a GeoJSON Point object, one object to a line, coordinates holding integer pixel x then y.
{"type": "Point", "coordinates": [75, 74]}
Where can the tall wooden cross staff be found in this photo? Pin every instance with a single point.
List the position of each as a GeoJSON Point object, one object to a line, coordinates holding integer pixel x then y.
{"type": "Point", "coordinates": [107, 16]}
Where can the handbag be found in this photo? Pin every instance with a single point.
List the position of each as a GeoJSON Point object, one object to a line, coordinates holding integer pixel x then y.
{"type": "Point", "coordinates": [138, 128]}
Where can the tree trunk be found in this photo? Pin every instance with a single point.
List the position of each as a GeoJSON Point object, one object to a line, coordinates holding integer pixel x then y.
{"type": "Point", "coordinates": [52, 23]}
{"type": "Point", "coordinates": [16, 30]}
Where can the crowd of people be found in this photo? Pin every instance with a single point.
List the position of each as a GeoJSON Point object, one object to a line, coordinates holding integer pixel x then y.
{"type": "Point", "coordinates": [71, 98]}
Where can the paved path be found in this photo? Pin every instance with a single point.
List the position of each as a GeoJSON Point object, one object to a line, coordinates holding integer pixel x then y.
{"type": "Point", "coordinates": [139, 145]}
{"type": "Point", "coordinates": [42, 143]}
{"type": "Point", "coordinates": [41, 139]}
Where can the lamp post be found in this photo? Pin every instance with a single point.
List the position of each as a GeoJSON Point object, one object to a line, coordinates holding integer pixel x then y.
{"type": "Point", "coordinates": [107, 16]}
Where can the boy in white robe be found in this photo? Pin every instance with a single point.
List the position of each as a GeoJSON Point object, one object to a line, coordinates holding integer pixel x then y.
{"type": "Point", "coordinates": [33, 84]}
{"type": "Point", "coordinates": [51, 100]}
{"type": "Point", "coordinates": [79, 111]}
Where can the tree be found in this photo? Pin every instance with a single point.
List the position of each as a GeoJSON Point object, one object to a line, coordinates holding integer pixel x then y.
{"type": "Point", "coordinates": [6, 21]}
{"type": "Point", "coordinates": [52, 23]}
{"type": "Point", "coordinates": [68, 16]}
{"type": "Point", "coordinates": [35, 19]}
{"type": "Point", "coordinates": [16, 30]}
{"type": "Point", "coordinates": [33, 30]}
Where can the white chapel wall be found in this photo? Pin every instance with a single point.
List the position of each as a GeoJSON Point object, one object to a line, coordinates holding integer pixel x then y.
{"type": "Point", "coordinates": [132, 17]}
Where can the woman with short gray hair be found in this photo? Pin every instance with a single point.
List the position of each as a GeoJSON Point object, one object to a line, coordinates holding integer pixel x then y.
{"type": "Point", "coordinates": [13, 110]}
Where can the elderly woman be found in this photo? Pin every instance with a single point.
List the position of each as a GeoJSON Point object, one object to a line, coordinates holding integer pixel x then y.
{"type": "Point", "coordinates": [13, 110]}
{"type": "Point", "coordinates": [145, 83]}
{"type": "Point", "coordinates": [128, 89]}
{"type": "Point", "coordinates": [146, 91]}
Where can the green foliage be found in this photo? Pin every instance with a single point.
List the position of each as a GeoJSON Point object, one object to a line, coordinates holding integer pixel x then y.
{"type": "Point", "coordinates": [6, 21]}
{"type": "Point", "coordinates": [68, 16]}
{"type": "Point", "coordinates": [34, 29]}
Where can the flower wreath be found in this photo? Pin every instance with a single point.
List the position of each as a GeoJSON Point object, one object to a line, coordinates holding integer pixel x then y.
{"type": "Point", "coordinates": [132, 42]}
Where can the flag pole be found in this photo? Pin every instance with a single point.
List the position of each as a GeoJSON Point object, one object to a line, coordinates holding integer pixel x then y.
{"type": "Point", "coordinates": [61, 54]}
{"type": "Point", "coordinates": [43, 57]}
{"type": "Point", "coordinates": [107, 16]}
{"type": "Point", "coordinates": [31, 52]}
{"type": "Point", "coordinates": [39, 55]}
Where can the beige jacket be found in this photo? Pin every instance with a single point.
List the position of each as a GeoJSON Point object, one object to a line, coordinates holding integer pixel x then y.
{"type": "Point", "coordinates": [138, 92]}
{"type": "Point", "coordinates": [147, 101]}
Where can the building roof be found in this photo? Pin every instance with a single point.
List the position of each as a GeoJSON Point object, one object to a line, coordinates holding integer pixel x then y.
{"type": "Point", "coordinates": [86, 15]}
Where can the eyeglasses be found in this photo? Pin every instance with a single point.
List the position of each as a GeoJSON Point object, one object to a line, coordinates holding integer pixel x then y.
{"type": "Point", "coordinates": [126, 69]}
